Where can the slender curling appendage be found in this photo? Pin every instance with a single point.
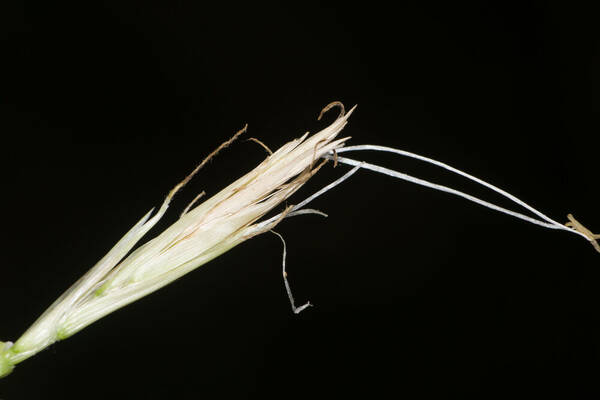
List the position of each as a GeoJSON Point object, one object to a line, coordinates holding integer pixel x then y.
{"type": "Point", "coordinates": [288, 289]}
{"type": "Point", "coordinates": [572, 226]}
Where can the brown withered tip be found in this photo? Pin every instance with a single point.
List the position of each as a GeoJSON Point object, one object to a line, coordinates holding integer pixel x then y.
{"type": "Point", "coordinates": [255, 140]}
{"type": "Point", "coordinates": [576, 225]}
{"type": "Point", "coordinates": [330, 106]}
{"type": "Point", "coordinates": [206, 160]}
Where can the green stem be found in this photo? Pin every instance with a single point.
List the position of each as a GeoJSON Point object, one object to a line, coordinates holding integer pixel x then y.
{"type": "Point", "coordinates": [6, 364]}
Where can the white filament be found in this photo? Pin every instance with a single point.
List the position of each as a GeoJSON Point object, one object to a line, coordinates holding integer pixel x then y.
{"type": "Point", "coordinates": [546, 221]}
{"type": "Point", "coordinates": [296, 310]}
{"type": "Point", "coordinates": [296, 210]}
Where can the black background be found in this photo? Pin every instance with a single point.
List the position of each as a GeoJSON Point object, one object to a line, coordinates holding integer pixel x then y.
{"type": "Point", "coordinates": [105, 106]}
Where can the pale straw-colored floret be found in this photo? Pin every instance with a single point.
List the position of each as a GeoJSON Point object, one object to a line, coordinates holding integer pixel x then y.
{"type": "Point", "coordinates": [201, 234]}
